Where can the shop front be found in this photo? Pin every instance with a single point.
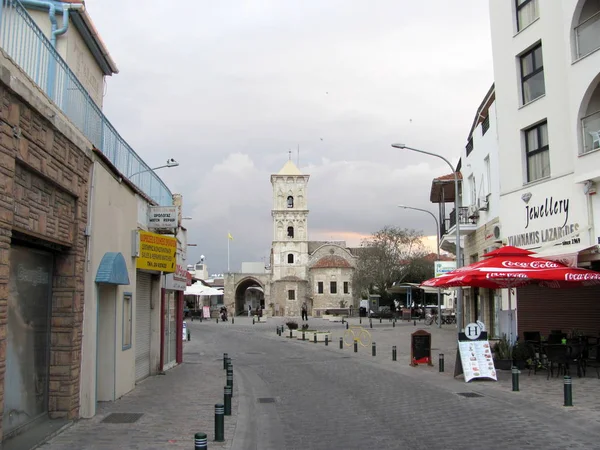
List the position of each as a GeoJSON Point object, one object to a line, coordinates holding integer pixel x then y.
{"type": "Point", "coordinates": [553, 220]}
{"type": "Point", "coordinates": [172, 316]}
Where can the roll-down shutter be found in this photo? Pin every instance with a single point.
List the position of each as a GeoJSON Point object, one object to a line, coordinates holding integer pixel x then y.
{"type": "Point", "coordinates": [142, 325]}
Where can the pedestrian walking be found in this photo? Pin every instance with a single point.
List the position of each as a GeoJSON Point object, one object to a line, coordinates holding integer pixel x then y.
{"type": "Point", "coordinates": [304, 311]}
{"type": "Point", "coordinates": [249, 310]}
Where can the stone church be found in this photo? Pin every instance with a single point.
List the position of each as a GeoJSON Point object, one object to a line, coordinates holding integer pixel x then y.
{"type": "Point", "coordinates": [316, 272]}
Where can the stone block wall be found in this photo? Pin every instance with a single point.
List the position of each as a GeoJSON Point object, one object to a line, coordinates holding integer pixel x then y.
{"type": "Point", "coordinates": [43, 200]}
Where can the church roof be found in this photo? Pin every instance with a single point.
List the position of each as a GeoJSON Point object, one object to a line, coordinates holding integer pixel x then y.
{"type": "Point", "coordinates": [289, 168]}
{"type": "Point", "coordinates": [331, 261]}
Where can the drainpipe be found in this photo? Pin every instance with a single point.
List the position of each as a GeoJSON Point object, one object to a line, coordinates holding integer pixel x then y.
{"type": "Point", "coordinates": [55, 32]}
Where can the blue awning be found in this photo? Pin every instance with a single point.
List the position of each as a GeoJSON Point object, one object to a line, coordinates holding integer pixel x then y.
{"type": "Point", "coordinates": [113, 269]}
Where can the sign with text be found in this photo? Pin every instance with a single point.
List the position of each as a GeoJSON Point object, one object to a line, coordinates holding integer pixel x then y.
{"type": "Point", "coordinates": [156, 252]}
{"type": "Point", "coordinates": [420, 348]}
{"type": "Point", "coordinates": [474, 356]}
{"type": "Point", "coordinates": [443, 267]}
{"type": "Point", "coordinates": [178, 280]}
{"type": "Point", "coordinates": [162, 217]}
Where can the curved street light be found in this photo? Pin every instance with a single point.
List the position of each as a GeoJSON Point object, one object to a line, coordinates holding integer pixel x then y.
{"type": "Point", "coordinates": [437, 235]}
{"type": "Point", "coordinates": [459, 296]}
{"type": "Point", "coordinates": [170, 163]}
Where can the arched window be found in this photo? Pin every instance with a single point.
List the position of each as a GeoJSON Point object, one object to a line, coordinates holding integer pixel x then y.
{"type": "Point", "coordinates": [290, 258]}
{"type": "Point", "coordinates": [290, 232]}
{"type": "Point", "coordinates": [290, 202]}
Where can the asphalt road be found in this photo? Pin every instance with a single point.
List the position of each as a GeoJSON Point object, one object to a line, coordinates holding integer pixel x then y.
{"type": "Point", "coordinates": [299, 395]}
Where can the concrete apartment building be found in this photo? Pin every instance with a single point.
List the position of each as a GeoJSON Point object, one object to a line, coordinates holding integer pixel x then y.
{"type": "Point", "coordinates": [547, 74]}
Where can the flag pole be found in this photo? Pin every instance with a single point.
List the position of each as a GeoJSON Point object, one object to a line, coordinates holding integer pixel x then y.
{"type": "Point", "coordinates": [228, 239]}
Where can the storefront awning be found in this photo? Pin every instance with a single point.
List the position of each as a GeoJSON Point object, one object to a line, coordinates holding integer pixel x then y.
{"type": "Point", "coordinates": [566, 254]}
{"type": "Point", "coordinates": [112, 269]}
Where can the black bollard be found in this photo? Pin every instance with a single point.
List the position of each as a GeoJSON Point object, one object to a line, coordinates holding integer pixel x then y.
{"type": "Point", "coordinates": [515, 379]}
{"type": "Point", "coordinates": [341, 343]}
{"type": "Point", "coordinates": [253, 321]}
{"type": "Point", "coordinates": [380, 320]}
{"type": "Point", "coordinates": [303, 335]}
{"type": "Point", "coordinates": [394, 323]}
{"type": "Point", "coordinates": [355, 345]}
{"type": "Point", "coordinates": [394, 354]}
{"type": "Point", "coordinates": [189, 335]}
{"type": "Point", "coordinates": [219, 423]}
{"type": "Point", "coordinates": [225, 357]}
{"type": "Point", "coordinates": [232, 320]}
{"type": "Point", "coordinates": [230, 376]}
{"type": "Point", "coordinates": [315, 337]}
{"type": "Point", "coordinates": [326, 340]}
{"type": "Point", "coordinates": [227, 400]}
{"type": "Point", "coordinates": [373, 349]}
{"type": "Point", "coordinates": [441, 362]}
{"type": "Point", "coordinates": [200, 441]}
{"type": "Point", "coordinates": [370, 323]}
{"type": "Point", "coordinates": [360, 320]}
{"type": "Point", "coordinates": [291, 334]}
{"type": "Point", "coordinates": [346, 325]}
{"type": "Point", "coordinates": [415, 323]}
{"type": "Point", "coordinates": [568, 391]}
{"type": "Point", "coordinates": [342, 320]}
{"type": "Point", "coordinates": [217, 319]}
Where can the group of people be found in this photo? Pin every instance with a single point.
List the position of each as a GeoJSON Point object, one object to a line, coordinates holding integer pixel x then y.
{"type": "Point", "coordinates": [258, 312]}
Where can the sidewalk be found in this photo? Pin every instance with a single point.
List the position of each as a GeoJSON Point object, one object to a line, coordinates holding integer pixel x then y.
{"type": "Point", "coordinates": [174, 407]}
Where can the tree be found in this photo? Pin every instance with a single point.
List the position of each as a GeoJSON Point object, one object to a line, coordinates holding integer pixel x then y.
{"type": "Point", "coordinates": [390, 255]}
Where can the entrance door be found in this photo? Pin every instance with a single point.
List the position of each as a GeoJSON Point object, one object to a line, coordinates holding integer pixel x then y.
{"type": "Point", "coordinates": [142, 325]}
{"type": "Point", "coordinates": [27, 338]}
{"type": "Point", "coordinates": [105, 364]}
{"type": "Point", "coordinates": [169, 339]}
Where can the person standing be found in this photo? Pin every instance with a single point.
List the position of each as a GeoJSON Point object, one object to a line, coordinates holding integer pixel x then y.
{"type": "Point", "coordinates": [304, 311]}
{"type": "Point", "coordinates": [249, 310]}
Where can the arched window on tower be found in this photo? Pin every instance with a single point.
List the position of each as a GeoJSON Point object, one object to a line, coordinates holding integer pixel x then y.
{"type": "Point", "coordinates": [290, 202]}
{"type": "Point", "coordinates": [290, 232]}
{"type": "Point", "coordinates": [290, 258]}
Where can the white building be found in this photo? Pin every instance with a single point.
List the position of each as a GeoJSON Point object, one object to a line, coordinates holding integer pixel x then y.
{"type": "Point", "coordinates": [546, 71]}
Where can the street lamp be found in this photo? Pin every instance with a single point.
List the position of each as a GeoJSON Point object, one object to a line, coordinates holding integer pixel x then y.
{"type": "Point", "coordinates": [437, 235]}
{"type": "Point", "coordinates": [459, 296]}
{"type": "Point", "coordinates": [170, 163]}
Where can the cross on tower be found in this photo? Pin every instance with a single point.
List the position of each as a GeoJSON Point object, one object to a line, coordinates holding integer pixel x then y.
{"type": "Point", "coordinates": [290, 152]}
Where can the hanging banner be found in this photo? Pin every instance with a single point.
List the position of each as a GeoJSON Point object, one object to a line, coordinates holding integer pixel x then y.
{"type": "Point", "coordinates": [162, 217]}
{"type": "Point", "coordinates": [156, 252]}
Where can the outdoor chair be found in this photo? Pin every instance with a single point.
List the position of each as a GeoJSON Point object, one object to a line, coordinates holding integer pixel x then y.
{"type": "Point", "coordinates": [557, 354]}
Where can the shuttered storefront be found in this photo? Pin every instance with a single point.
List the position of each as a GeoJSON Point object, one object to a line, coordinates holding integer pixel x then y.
{"type": "Point", "coordinates": [142, 325]}
{"type": "Point", "coordinates": [543, 309]}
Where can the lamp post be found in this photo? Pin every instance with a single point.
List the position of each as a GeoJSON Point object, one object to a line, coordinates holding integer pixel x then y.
{"type": "Point", "coordinates": [459, 297]}
{"type": "Point", "coordinates": [170, 163]}
{"type": "Point", "coordinates": [437, 235]}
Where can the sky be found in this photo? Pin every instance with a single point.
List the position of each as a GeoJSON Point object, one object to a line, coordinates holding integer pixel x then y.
{"type": "Point", "coordinates": [228, 88]}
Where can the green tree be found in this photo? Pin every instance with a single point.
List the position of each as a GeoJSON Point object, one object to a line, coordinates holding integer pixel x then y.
{"type": "Point", "coordinates": [389, 255]}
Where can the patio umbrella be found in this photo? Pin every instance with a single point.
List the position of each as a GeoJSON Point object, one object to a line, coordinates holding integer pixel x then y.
{"type": "Point", "coordinates": [510, 267]}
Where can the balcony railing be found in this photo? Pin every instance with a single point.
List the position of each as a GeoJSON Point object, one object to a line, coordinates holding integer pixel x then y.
{"type": "Point", "coordinates": [463, 216]}
{"type": "Point", "coordinates": [590, 126]}
{"type": "Point", "coordinates": [25, 43]}
{"type": "Point", "coordinates": [587, 35]}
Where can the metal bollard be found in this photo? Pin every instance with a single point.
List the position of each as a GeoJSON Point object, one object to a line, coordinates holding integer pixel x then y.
{"type": "Point", "coordinates": [380, 320]}
{"type": "Point", "coordinates": [303, 335]}
{"type": "Point", "coordinates": [291, 334]}
{"type": "Point", "coordinates": [415, 323]}
{"type": "Point", "coordinates": [227, 400]}
{"type": "Point", "coordinates": [343, 320]}
{"type": "Point", "coordinates": [219, 422]}
{"type": "Point", "coordinates": [441, 362]}
{"type": "Point", "coordinates": [315, 338]}
{"type": "Point", "coordinates": [230, 376]}
{"type": "Point", "coordinates": [370, 323]}
{"type": "Point", "coordinates": [232, 320]}
{"type": "Point", "coordinates": [341, 343]}
{"type": "Point", "coordinates": [373, 349]}
{"type": "Point", "coordinates": [360, 320]}
{"type": "Point", "coordinates": [355, 345]}
{"type": "Point", "coordinates": [253, 321]}
{"type": "Point", "coordinates": [394, 323]}
{"type": "Point", "coordinates": [515, 379]}
{"type": "Point", "coordinates": [225, 357]}
{"type": "Point", "coordinates": [200, 441]}
{"type": "Point", "coordinates": [217, 319]}
{"type": "Point", "coordinates": [277, 330]}
{"type": "Point", "coordinates": [346, 325]}
{"type": "Point", "coordinates": [189, 335]}
{"type": "Point", "coordinates": [568, 391]}
{"type": "Point", "coordinates": [326, 340]}
{"type": "Point", "coordinates": [394, 353]}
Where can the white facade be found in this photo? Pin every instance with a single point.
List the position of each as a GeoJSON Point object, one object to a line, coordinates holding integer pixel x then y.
{"type": "Point", "coordinates": [547, 204]}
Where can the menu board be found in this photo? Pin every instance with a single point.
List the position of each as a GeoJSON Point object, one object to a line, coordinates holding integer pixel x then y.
{"type": "Point", "coordinates": [420, 348]}
{"type": "Point", "coordinates": [206, 312]}
{"type": "Point", "coordinates": [476, 359]}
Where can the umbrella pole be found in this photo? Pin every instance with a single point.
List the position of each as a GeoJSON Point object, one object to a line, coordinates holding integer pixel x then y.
{"type": "Point", "coordinates": [510, 315]}
{"type": "Point", "coordinates": [439, 308]}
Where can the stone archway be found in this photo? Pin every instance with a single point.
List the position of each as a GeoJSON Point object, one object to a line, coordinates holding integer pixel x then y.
{"type": "Point", "coordinates": [248, 291]}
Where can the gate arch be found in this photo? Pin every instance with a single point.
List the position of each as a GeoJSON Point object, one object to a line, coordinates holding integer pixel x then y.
{"type": "Point", "coordinates": [249, 291]}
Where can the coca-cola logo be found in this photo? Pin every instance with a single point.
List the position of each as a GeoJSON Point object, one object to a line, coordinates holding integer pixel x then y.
{"type": "Point", "coordinates": [581, 276]}
{"type": "Point", "coordinates": [530, 264]}
{"type": "Point", "coordinates": [506, 275]}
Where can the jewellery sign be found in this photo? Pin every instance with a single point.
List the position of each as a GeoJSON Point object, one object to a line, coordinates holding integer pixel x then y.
{"type": "Point", "coordinates": [156, 252]}
{"type": "Point", "coordinates": [162, 217]}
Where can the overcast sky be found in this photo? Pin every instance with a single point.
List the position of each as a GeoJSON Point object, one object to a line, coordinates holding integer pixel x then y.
{"type": "Point", "coordinates": [227, 88]}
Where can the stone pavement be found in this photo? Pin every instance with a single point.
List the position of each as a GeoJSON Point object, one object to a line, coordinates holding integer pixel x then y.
{"type": "Point", "coordinates": [174, 406]}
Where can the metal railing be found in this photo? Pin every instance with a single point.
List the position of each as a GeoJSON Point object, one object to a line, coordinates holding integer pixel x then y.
{"type": "Point", "coordinates": [463, 216]}
{"type": "Point", "coordinates": [590, 126]}
{"type": "Point", "coordinates": [26, 44]}
{"type": "Point", "coordinates": [587, 35]}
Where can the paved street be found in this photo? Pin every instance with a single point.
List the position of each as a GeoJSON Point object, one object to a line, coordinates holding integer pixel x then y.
{"type": "Point", "coordinates": [299, 395]}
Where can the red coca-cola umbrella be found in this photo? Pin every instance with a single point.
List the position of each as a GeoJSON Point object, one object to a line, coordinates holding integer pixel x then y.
{"type": "Point", "coordinates": [509, 267]}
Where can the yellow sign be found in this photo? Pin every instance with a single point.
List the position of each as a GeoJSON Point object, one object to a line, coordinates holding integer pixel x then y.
{"type": "Point", "coordinates": [157, 252]}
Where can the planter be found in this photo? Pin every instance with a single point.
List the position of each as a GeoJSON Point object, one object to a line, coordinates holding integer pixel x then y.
{"type": "Point", "coordinates": [335, 318]}
{"type": "Point", "coordinates": [321, 336]}
{"type": "Point", "coordinates": [307, 335]}
{"type": "Point", "coordinates": [326, 316]}
{"type": "Point", "coordinates": [503, 364]}
{"type": "Point", "coordinates": [294, 333]}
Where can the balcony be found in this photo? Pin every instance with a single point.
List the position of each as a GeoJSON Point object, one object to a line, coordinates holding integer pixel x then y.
{"type": "Point", "coordinates": [590, 126]}
{"type": "Point", "coordinates": [587, 36]}
{"type": "Point", "coordinates": [467, 224]}
{"type": "Point", "coordinates": [27, 46]}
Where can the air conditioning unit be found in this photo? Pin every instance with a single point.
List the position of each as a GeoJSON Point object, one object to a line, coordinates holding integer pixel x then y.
{"type": "Point", "coordinates": [482, 204]}
{"type": "Point", "coordinates": [473, 211]}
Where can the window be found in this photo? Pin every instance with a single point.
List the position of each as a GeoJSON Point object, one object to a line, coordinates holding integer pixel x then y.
{"type": "Point", "coordinates": [291, 294]}
{"type": "Point", "coordinates": [488, 174]}
{"type": "Point", "coordinates": [333, 287]}
{"type": "Point", "coordinates": [290, 202]}
{"type": "Point", "coordinates": [537, 152]}
{"type": "Point", "coordinates": [346, 287]}
{"type": "Point", "coordinates": [472, 189]}
{"type": "Point", "coordinates": [290, 258]}
{"type": "Point", "coordinates": [320, 287]}
{"type": "Point", "coordinates": [127, 316]}
{"type": "Point", "coordinates": [527, 12]}
{"type": "Point", "coordinates": [290, 232]}
{"type": "Point", "coordinates": [485, 125]}
{"type": "Point", "coordinates": [532, 74]}
{"type": "Point", "coordinates": [469, 146]}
